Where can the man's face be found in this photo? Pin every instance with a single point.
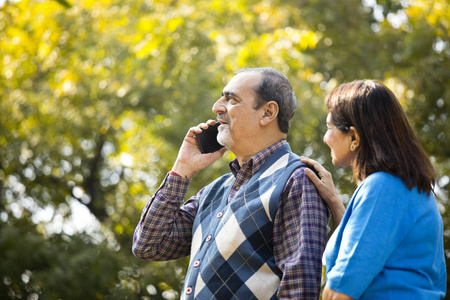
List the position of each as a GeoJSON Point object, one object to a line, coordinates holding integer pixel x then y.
{"type": "Point", "coordinates": [235, 111]}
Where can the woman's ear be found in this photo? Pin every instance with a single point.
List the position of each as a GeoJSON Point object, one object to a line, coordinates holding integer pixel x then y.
{"type": "Point", "coordinates": [355, 138]}
{"type": "Point", "coordinates": [270, 112]}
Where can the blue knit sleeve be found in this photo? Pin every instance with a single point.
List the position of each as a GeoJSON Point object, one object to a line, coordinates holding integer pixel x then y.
{"type": "Point", "coordinates": [370, 230]}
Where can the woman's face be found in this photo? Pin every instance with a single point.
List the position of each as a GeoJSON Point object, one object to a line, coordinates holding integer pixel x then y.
{"type": "Point", "coordinates": [339, 143]}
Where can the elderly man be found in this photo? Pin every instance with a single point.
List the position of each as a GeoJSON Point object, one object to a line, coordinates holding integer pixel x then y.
{"type": "Point", "coordinates": [255, 233]}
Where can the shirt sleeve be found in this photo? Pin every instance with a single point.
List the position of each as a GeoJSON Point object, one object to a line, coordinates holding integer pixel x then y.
{"type": "Point", "coordinates": [372, 228]}
{"type": "Point", "coordinates": [165, 229]}
{"type": "Point", "coordinates": [300, 236]}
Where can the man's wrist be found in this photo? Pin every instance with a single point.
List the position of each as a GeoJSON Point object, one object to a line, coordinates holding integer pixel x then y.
{"type": "Point", "coordinates": [174, 187]}
{"type": "Point", "coordinates": [182, 171]}
{"type": "Point", "coordinates": [173, 173]}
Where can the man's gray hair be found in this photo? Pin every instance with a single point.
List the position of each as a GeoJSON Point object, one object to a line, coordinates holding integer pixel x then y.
{"type": "Point", "coordinates": [274, 86]}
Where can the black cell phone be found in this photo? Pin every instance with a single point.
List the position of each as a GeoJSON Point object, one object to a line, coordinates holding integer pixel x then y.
{"type": "Point", "coordinates": [207, 139]}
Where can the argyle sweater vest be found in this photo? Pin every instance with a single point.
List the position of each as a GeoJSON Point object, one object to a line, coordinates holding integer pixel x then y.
{"type": "Point", "coordinates": [232, 246]}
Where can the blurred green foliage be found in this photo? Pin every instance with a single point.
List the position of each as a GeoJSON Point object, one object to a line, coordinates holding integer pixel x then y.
{"type": "Point", "coordinates": [96, 96]}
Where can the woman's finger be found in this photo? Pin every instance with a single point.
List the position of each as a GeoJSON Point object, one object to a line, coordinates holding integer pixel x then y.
{"type": "Point", "coordinates": [307, 160]}
{"type": "Point", "coordinates": [316, 165]}
{"type": "Point", "coordinates": [311, 175]}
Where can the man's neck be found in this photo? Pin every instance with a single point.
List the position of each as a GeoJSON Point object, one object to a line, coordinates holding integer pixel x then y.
{"type": "Point", "coordinates": [249, 153]}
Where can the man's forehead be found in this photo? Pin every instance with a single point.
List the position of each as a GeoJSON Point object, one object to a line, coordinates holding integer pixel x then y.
{"type": "Point", "coordinates": [248, 75]}
{"type": "Point", "coordinates": [245, 80]}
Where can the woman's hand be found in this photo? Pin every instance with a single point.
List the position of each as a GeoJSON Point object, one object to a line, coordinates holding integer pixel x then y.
{"type": "Point", "coordinates": [325, 186]}
{"type": "Point", "coordinates": [329, 294]}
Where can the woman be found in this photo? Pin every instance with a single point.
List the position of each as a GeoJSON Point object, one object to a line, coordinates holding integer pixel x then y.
{"type": "Point", "coordinates": [389, 243]}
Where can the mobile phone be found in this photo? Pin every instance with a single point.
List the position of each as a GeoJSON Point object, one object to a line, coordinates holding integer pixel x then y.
{"type": "Point", "coordinates": [207, 139]}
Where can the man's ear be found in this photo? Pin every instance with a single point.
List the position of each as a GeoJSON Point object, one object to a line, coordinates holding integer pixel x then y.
{"type": "Point", "coordinates": [270, 113]}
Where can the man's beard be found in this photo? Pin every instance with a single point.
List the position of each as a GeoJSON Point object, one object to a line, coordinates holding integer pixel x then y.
{"type": "Point", "coordinates": [223, 137]}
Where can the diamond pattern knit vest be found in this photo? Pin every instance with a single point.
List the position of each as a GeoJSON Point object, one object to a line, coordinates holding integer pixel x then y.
{"type": "Point", "coordinates": [232, 246]}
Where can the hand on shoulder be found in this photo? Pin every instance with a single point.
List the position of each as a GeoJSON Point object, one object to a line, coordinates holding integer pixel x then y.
{"type": "Point", "coordinates": [325, 186]}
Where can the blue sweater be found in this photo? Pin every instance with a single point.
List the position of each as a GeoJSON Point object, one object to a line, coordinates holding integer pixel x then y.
{"type": "Point", "coordinates": [389, 244]}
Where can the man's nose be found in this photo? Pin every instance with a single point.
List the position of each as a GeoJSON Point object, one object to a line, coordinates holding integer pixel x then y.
{"type": "Point", "coordinates": [219, 106]}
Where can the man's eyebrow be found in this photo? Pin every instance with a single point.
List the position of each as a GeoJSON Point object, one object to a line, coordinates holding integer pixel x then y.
{"type": "Point", "coordinates": [229, 94]}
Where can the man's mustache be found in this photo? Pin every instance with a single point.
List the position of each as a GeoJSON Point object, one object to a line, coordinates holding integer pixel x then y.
{"type": "Point", "coordinates": [223, 117]}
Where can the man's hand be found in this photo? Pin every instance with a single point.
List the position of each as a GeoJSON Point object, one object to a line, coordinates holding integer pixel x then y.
{"type": "Point", "coordinates": [190, 160]}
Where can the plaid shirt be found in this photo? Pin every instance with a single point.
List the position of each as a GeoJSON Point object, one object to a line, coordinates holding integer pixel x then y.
{"type": "Point", "coordinates": [300, 226]}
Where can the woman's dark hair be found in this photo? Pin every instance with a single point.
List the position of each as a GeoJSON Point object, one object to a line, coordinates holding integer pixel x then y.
{"type": "Point", "coordinates": [387, 141]}
{"type": "Point", "coordinates": [274, 86]}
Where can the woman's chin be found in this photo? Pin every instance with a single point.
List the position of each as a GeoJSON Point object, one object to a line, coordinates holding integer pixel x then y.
{"type": "Point", "coordinates": [336, 162]}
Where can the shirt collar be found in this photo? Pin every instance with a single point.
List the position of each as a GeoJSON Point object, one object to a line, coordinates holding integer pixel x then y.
{"type": "Point", "coordinates": [256, 161]}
